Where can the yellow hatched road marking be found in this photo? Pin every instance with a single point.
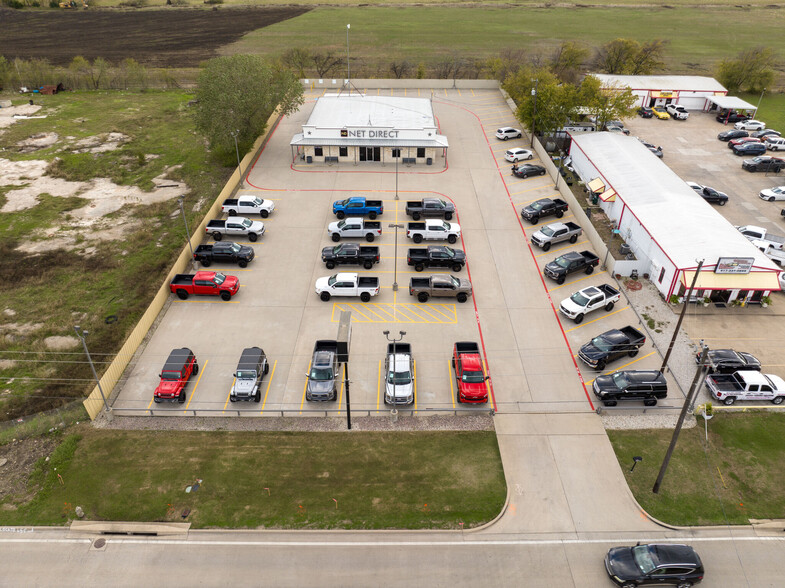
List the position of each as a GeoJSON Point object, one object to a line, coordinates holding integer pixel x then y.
{"type": "Point", "coordinates": [270, 381]}
{"type": "Point", "coordinates": [398, 312]}
{"type": "Point", "coordinates": [199, 379]}
{"type": "Point", "coordinates": [422, 307]}
{"type": "Point", "coordinates": [607, 314]}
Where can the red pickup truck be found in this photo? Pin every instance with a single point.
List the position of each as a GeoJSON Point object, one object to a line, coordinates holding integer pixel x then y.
{"type": "Point", "coordinates": [179, 367]}
{"type": "Point", "coordinates": [469, 372]}
{"type": "Point", "coordinates": [205, 284]}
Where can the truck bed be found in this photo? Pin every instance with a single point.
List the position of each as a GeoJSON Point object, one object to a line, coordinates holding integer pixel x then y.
{"type": "Point", "coordinates": [420, 283]}
{"type": "Point", "coordinates": [466, 347]}
{"type": "Point", "coordinates": [367, 282]}
{"type": "Point", "coordinates": [325, 345]}
{"type": "Point", "coordinates": [405, 348]}
{"type": "Point", "coordinates": [416, 226]}
{"type": "Point", "coordinates": [571, 226]}
{"type": "Point", "coordinates": [203, 249]}
{"type": "Point", "coordinates": [724, 382]}
{"type": "Point", "coordinates": [216, 224]}
{"type": "Point", "coordinates": [590, 257]}
{"type": "Point", "coordinates": [182, 279]}
{"type": "Point", "coordinates": [231, 202]}
{"type": "Point", "coordinates": [633, 334]}
{"type": "Point", "coordinates": [608, 290]}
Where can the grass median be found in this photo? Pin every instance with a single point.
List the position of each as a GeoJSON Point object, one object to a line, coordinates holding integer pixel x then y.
{"type": "Point", "coordinates": [735, 476]}
{"type": "Point", "coordinates": [438, 480]}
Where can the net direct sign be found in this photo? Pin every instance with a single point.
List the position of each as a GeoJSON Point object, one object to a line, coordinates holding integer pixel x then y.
{"type": "Point", "coordinates": [734, 265]}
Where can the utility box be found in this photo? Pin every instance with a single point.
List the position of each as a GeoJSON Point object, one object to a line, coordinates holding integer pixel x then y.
{"type": "Point", "coordinates": [344, 337]}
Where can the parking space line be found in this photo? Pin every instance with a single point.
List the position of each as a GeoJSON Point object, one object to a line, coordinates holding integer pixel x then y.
{"type": "Point", "coordinates": [452, 390]}
{"type": "Point", "coordinates": [340, 394]}
{"type": "Point", "coordinates": [229, 394]}
{"type": "Point", "coordinates": [210, 301]}
{"type": "Point", "coordinates": [562, 248]}
{"type": "Point", "coordinates": [199, 379]}
{"type": "Point", "coordinates": [305, 386]}
{"type": "Point", "coordinates": [414, 379]}
{"type": "Point", "coordinates": [378, 386]}
{"type": "Point", "coordinates": [529, 190]}
{"type": "Point", "coordinates": [595, 320]}
{"type": "Point", "coordinates": [573, 282]}
{"type": "Point", "coordinates": [270, 381]}
{"type": "Point", "coordinates": [619, 367]}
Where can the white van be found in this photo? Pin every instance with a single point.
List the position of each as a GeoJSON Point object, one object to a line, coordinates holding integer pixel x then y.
{"type": "Point", "coordinates": [774, 143]}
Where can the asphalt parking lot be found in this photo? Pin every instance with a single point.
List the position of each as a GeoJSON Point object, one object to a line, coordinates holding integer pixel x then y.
{"type": "Point", "coordinates": [529, 348]}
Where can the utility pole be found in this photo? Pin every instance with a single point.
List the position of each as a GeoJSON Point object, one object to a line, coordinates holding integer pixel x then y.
{"type": "Point", "coordinates": [681, 317]}
{"type": "Point", "coordinates": [348, 403]}
{"type": "Point", "coordinates": [82, 334]}
{"type": "Point", "coordinates": [534, 116]}
{"type": "Point", "coordinates": [348, 71]}
{"type": "Point", "coordinates": [687, 403]}
{"type": "Point", "coordinates": [180, 200]}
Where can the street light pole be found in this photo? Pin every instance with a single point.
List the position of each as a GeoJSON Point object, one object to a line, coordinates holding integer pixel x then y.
{"type": "Point", "coordinates": [395, 226]}
{"type": "Point", "coordinates": [759, 101]}
{"type": "Point", "coordinates": [236, 148]}
{"type": "Point", "coordinates": [348, 71]}
{"type": "Point", "coordinates": [82, 334]}
{"type": "Point", "coordinates": [180, 201]}
{"type": "Point", "coordinates": [534, 116]}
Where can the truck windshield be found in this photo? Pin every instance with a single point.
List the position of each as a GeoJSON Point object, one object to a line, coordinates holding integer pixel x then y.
{"type": "Point", "coordinates": [642, 557]}
{"type": "Point", "coordinates": [246, 375]}
{"type": "Point", "coordinates": [321, 374]}
{"type": "Point", "coordinates": [344, 202]}
{"type": "Point", "coordinates": [258, 201]}
{"type": "Point", "coordinates": [341, 224]}
{"type": "Point", "coordinates": [247, 223]}
{"type": "Point", "coordinates": [171, 376]}
{"type": "Point", "coordinates": [620, 380]}
{"type": "Point", "coordinates": [399, 378]}
{"type": "Point", "coordinates": [547, 231]}
{"type": "Point", "coordinates": [332, 279]}
{"type": "Point", "coordinates": [579, 299]}
{"type": "Point", "coordinates": [562, 262]}
{"type": "Point", "coordinates": [538, 205]}
{"type": "Point", "coordinates": [445, 226]}
{"type": "Point", "coordinates": [235, 248]}
{"type": "Point", "coordinates": [601, 343]}
{"type": "Point", "coordinates": [219, 278]}
{"type": "Point", "coordinates": [449, 252]}
{"type": "Point", "coordinates": [456, 283]}
{"type": "Point", "coordinates": [473, 377]}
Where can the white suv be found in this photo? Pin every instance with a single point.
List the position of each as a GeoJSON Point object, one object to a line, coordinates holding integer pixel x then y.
{"type": "Point", "coordinates": [677, 111]}
{"type": "Point", "coordinates": [505, 133]}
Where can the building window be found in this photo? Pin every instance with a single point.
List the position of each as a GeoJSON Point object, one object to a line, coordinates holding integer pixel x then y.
{"type": "Point", "coordinates": [317, 151]}
{"type": "Point", "coordinates": [420, 151]}
{"type": "Point", "coordinates": [343, 151]}
{"type": "Point", "coordinates": [396, 152]}
{"type": "Point", "coordinates": [662, 275]}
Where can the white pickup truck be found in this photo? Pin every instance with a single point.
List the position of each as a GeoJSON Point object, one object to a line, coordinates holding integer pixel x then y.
{"type": "Point", "coordinates": [248, 204]}
{"type": "Point", "coordinates": [754, 233]}
{"type": "Point", "coordinates": [354, 226]}
{"type": "Point", "coordinates": [746, 385]}
{"type": "Point", "coordinates": [235, 225]}
{"type": "Point", "coordinates": [433, 230]}
{"type": "Point", "coordinates": [776, 255]}
{"type": "Point", "coordinates": [399, 374]}
{"type": "Point", "coordinates": [677, 111]}
{"type": "Point", "coordinates": [347, 285]}
{"type": "Point", "coordinates": [584, 301]}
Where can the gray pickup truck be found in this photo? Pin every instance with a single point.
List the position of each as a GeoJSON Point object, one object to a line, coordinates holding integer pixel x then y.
{"type": "Point", "coordinates": [235, 225]}
{"type": "Point", "coordinates": [324, 372]}
{"type": "Point", "coordinates": [556, 233]}
{"type": "Point", "coordinates": [441, 286]}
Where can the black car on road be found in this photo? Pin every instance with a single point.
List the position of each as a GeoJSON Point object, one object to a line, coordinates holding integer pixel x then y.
{"type": "Point", "coordinates": [763, 163]}
{"type": "Point", "coordinates": [728, 361]}
{"type": "Point", "coordinates": [645, 112]}
{"type": "Point", "coordinates": [527, 170]}
{"type": "Point", "coordinates": [645, 385]}
{"type": "Point", "coordinates": [749, 149]}
{"type": "Point", "coordinates": [732, 134]}
{"type": "Point", "coordinates": [654, 564]}
{"type": "Point", "coordinates": [709, 194]}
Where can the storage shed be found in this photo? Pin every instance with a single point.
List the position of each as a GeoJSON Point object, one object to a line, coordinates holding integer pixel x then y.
{"type": "Point", "coordinates": [692, 92]}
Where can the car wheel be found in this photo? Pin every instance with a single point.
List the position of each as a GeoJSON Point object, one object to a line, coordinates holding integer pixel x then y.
{"type": "Point", "coordinates": [462, 297]}
{"type": "Point", "coordinates": [530, 156]}
{"type": "Point", "coordinates": [417, 238]}
{"type": "Point", "coordinates": [218, 236]}
{"type": "Point", "coordinates": [182, 294]}
{"type": "Point", "coordinates": [330, 265]}
{"type": "Point", "coordinates": [505, 138]}
{"type": "Point", "coordinates": [232, 213]}
{"type": "Point", "coordinates": [613, 403]}
{"type": "Point", "coordinates": [633, 352]}
{"type": "Point", "coordinates": [589, 270]}
{"type": "Point", "coordinates": [684, 585]}
{"type": "Point", "coordinates": [729, 400]}
{"type": "Point", "coordinates": [416, 216]}
{"type": "Point", "coordinates": [578, 319]}
{"type": "Point", "coordinates": [258, 396]}
{"type": "Point", "coordinates": [422, 297]}
{"type": "Point", "coordinates": [574, 239]}
{"type": "Point", "coordinates": [181, 397]}
{"type": "Point", "coordinates": [226, 296]}
{"type": "Point", "coordinates": [777, 399]}
{"type": "Point", "coordinates": [542, 173]}
{"type": "Point", "coordinates": [325, 296]}
{"type": "Point", "coordinates": [456, 267]}
{"type": "Point", "coordinates": [723, 202]}
{"type": "Point", "coordinates": [600, 366]}
{"type": "Point", "coordinates": [452, 239]}
{"type": "Point", "coordinates": [452, 361]}
{"type": "Point", "coordinates": [447, 216]}
{"type": "Point", "coordinates": [519, 136]}
{"type": "Point", "coordinates": [340, 214]}
{"type": "Point", "coordinates": [370, 237]}
{"type": "Point", "coordinates": [157, 400]}
{"type": "Point", "coordinates": [335, 237]}
{"type": "Point", "coordinates": [196, 369]}
{"type": "Point", "coordinates": [368, 265]}
{"type": "Point", "coordinates": [534, 220]}
{"type": "Point", "coordinates": [560, 280]}
{"type": "Point", "coordinates": [650, 402]}
{"type": "Point", "coordinates": [771, 199]}
{"type": "Point", "coordinates": [524, 176]}
{"type": "Point", "coordinates": [242, 263]}
{"type": "Point", "coordinates": [419, 267]}
{"type": "Point", "coordinates": [206, 261]}
{"type": "Point", "coordinates": [372, 215]}
{"type": "Point", "coordinates": [232, 399]}
{"type": "Point", "coordinates": [264, 214]}
{"type": "Point", "coordinates": [559, 213]}
{"type": "Point", "coordinates": [609, 307]}
{"type": "Point", "coordinates": [252, 237]}
{"type": "Point", "coordinates": [546, 246]}
{"type": "Point", "coordinates": [365, 296]}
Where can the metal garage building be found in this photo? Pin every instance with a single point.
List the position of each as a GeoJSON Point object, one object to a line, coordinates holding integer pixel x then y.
{"type": "Point", "coordinates": [692, 92]}
{"type": "Point", "coordinates": [356, 128]}
{"type": "Point", "coordinates": [668, 226]}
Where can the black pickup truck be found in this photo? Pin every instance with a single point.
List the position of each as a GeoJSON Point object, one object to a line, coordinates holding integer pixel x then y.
{"type": "Point", "coordinates": [224, 252]}
{"type": "Point", "coordinates": [436, 256]}
{"type": "Point", "coordinates": [569, 263]}
{"type": "Point", "coordinates": [430, 208]}
{"type": "Point", "coordinates": [350, 254]}
{"type": "Point", "coordinates": [611, 345]}
{"type": "Point", "coordinates": [544, 207]}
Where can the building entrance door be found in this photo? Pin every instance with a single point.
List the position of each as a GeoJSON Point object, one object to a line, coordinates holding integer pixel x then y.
{"type": "Point", "coordinates": [370, 153]}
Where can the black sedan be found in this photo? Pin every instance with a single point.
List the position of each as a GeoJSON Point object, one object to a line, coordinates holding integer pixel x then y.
{"type": "Point", "coordinates": [645, 112]}
{"type": "Point", "coordinates": [727, 361]}
{"type": "Point", "coordinates": [749, 149]}
{"type": "Point", "coordinates": [709, 194]}
{"type": "Point", "coordinates": [763, 163]}
{"type": "Point", "coordinates": [766, 133]}
{"type": "Point", "coordinates": [732, 134]}
{"type": "Point", "coordinates": [527, 169]}
{"type": "Point", "coordinates": [663, 563]}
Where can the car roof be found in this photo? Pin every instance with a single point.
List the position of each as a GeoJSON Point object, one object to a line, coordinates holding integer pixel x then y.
{"type": "Point", "coordinates": [323, 358]}
{"type": "Point", "coordinates": [723, 354]}
{"type": "Point", "coordinates": [671, 554]}
{"type": "Point", "coordinates": [177, 359]}
{"type": "Point", "coordinates": [644, 375]}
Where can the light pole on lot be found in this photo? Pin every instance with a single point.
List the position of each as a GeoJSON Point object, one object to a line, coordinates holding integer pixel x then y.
{"type": "Point", "coordinates": [395, 226]}
{"type": "Point", "coordinates": [396, 173]}
{"type": "Point", "coordinates": [534, 115]}
{"type": "Point", "coordinates": [394, 341]}
{"type": "Point", "coordinates": [82, 334]}
{"type": "Point", "coordinates": [759, 101]}
{"type": "Point", "coordinates": [234, 134]}
{"type": "Point", "coordinates": [348, 71]}
{"type": "Point", "coordinates": [180, 200]}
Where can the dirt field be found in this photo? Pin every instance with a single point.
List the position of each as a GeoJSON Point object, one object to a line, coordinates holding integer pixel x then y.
{"type": "Point", "coordinates": [172, 37]}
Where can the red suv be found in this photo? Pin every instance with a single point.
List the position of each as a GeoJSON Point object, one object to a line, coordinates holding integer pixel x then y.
{"type": "Point", "coordinates": [177, 370]}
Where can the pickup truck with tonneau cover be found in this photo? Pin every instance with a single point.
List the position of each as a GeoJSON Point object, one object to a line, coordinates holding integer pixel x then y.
{"type": "Point", "coordinates": [350, 254]}
{"type": "Point", "coordinates": [224, 252]}
{"type": "Point", "coordinates": [612, 345]}
{"type": "Point", "coordinates": [746, 385]}
{"type": "Point", "coordinates": [399, 374]}
{"type": "Point", "coordinates": [358, 206]}
{"type": "Point", "coordinates": [204, 283]}
{"type": "Point", "coordinates": [544, 207]}
{"type": "Point", "coordinates": [556, 233]}
{"type": "Point", "coordinates": [436, 256]}
{"type": "Point", "coordinates": [762, 235]}
{"type": "Point", "coordinates": [248, 204]}
{"type": "Point", "coordinates": [235, 225]}
{"type": "Point", "coordinates": [347, 285]}
{"type": "Point", "coordinates": [433, 230]}
{"type": "Point", "coordinates": [440, 286]}
{"type": "Point", "coordinates": [178, 369]}
{"type": "Point", "coordinates": [469, 372]}
{"type": "Point", "coordinates": [324, 374]}
{"type": "Point", "coordinates": [355, 227]}
{"type": "Point", "coordinates": [430, 208]}
{"type": "Point", "coordinates": [585, 301]}
{"type": "Point", "coordinates": [569, 263]}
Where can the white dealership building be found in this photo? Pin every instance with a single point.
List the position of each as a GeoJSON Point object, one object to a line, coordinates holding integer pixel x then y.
{"type": "Point", "coordinates": [668, 226]}
{"type": "Point", "coordinates": [357, 128]}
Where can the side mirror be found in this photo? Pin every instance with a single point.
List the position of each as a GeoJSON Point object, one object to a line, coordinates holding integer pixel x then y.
{"type": "Point", "coordinates": [487, 377]}
{"type": "Point", "coordinates": [234, 375]}
{"type": "Point", "coordinates": [308, 376]}
{"type": "Point", "coordinates": [160, 375]}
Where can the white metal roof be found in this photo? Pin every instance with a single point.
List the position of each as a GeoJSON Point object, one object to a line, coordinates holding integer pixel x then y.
{"type": "Point", "coordinates": [437, 141]}
{"type": "Point", "coordinates": [360, 110]}
{"type": "Point", "coordinates": [683, 224]}
{"type": "Point", "coordinates": [731, 102]}
{"type": "Point", "coordinates": [680, 83]}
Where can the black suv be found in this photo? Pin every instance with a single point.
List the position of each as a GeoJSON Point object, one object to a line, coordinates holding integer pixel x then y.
{"type": "Point", "coordinates": [662, 563]}
{"type": "Point", "coordinates": [732, 117]}
{"type": "Point", "coordinates": [764, 163]}
{"type": "Point", "coordinates": [749, 149]}
{"type": "Point", "coordinates": [648, 386]}
{"type": "Point", "coordinates": [645, 112]}
{"type": "Point", "coordinates": [728, 361]}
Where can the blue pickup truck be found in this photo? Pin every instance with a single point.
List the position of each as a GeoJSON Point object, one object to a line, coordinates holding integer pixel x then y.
{"type": "Point", "coordinates": [358, 206]}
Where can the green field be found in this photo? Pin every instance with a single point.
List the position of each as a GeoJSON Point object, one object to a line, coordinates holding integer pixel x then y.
{"type": "Point", "coordinates": [418, 480]}
{"type": "Point", "coordinates": [735, 477]}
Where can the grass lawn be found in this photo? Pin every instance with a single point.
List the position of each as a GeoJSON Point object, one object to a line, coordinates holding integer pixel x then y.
{"type": "Point", "coordinates": [736, 476]}
{"type": "Point", "coordinates": [380, 480]}
{"type": "Point", "coordinates": [697, 37]}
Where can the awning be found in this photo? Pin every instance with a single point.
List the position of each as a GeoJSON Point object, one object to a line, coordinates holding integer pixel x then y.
{"type": "Point", "coordinates": [439, 141]}
{"type": "Point", "coordinates": [608, 195]}
{"type": "Point", "coordinates": [596, 185]}
{"type": "Point", "coordinates": [664, 94]}
{"type": "Point", "coordinates": [708, 280]}
{"type": "Point", "coordinates": [731, 102]}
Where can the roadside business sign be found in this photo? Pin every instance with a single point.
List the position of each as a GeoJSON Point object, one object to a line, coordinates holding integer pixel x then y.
{"type": "Point", "coordinates": [734, 265]}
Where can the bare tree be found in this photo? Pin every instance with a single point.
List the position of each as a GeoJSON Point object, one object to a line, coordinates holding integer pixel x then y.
{"type": "Point", "coordinates": [648, 58]}
{"type": "Point", "coordinates": [568, 60]}
{"type": "Point", "coordinates": [400, 69]}
{"type": "Point", "coordinates": [325, 62]}
{"type": "Point", "coordinates": [298, 59]}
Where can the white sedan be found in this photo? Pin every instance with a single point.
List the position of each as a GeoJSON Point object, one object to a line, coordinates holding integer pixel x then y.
{"type": "Point", "coordinates": [750, 125]}
{"type": "Point", "coordinates": [773, 194]}
{"type": "Point", "coordinates": [505, 133]}
{"type": "Point", "coordinates": [516, 155]}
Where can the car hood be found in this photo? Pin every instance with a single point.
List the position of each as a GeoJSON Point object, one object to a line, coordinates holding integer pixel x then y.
{"type": "Point", "coordinates": [554, 267]}
{"type": "Point", "coordinates": [400, 390]}
{"type": "Point", "coordinates": [256, 227]}
{"type": "Point", "coordinates": [459, 256]}
{"type": "Point", "coordinates": [321, 283]}
{"type": "Point", "coordinates": [246, 252]}
{"type": "Point", "coordinates": [589, 351]}
{"type": "Point", "coordinates": [230, 283]}
{"type": "Point", "coordinates": [604, 383]}
{"type": "Point", "coordinates": [473, 390]}
{"type": "Point", "coordinates": [466, 285]}
{"type": "Point", "coordinates": [167, 387]}
{"type": "Point", "coordinates": [244, 386]}
{"type": "Point", "coordinates": [529, 210]}
{"type": "Point", "coordinates": [320, 386]}
{"type": "Point", "coordinates": [332, 227]}
{"type": "Point", "coordinates": [455, 228]}
{"type": "Point", "coordinates": [568, 305]}
{"type": "Point", "coordinates": [327, 252]}
{"type": "Point", "coordinates": [621, 564]}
